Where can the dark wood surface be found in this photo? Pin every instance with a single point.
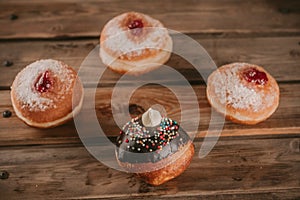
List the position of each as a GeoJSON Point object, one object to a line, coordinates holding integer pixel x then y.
{"type": "Point", "coordinates": [249, 162]}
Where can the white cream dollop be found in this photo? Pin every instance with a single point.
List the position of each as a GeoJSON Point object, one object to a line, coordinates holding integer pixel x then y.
{"type": "Point", "coordinates": [151, 118]}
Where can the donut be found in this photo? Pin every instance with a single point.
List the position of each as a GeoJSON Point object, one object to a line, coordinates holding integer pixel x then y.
{"type": "Point", "coordinates": [245, 93]}
{"type": "Point", "coordinates": [43, 92]}
{"type": "Point", "coordinates": [134, 43]}
{"type": "Point", "coordinates": [155, 152]}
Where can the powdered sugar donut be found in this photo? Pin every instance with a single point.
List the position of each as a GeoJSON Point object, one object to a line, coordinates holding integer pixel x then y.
{"type": "Point", "coordinates": [243, 92]}
{"type": "Point", "coordinates": [42, 92]}
{"type": "Point", "coordinates": [135, 43]}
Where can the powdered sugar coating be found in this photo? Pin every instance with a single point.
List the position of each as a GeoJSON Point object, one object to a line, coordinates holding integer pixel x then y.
{"type": "Point", "coordinates": [24, 84]}
{"type": "Point", "coordinates": [231, 91]}
{"type": "Point", "coordinates": [118, 40]}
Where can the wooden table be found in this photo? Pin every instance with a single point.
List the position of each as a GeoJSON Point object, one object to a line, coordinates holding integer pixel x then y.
{"type": "Point", "coordinates": [249, 162]}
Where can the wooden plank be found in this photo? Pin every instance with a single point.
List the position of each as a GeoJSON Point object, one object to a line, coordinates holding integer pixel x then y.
{"type": "Point", "coordinates": [75, 19]}
{"type": "Point", "coordinates": [242, 167]}
{"type": "Point", "coordinates": [247, 195]}
{"type": "Point", "coordinates": [286, 119]}
{"type": "Point", "coordinates": [282, 63]}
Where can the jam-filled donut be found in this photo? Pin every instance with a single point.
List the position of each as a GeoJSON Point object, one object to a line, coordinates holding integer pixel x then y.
{"type": "Point", "coordinates": [155, 148]}
{"type": "Point", "coordinates": [134, 43]}
{"type": "Point", "coordinates": [244, 93]}
{"type": "Point", "coordinates": [42, 93]}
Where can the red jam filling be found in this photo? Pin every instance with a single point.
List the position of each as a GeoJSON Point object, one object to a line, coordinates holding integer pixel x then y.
{"type": "Point", "coordinates": [43, 82]}
{"type": "Point", "coordinates": [136, 26]}
{"type": "Point", "coordinates": [255, 76]}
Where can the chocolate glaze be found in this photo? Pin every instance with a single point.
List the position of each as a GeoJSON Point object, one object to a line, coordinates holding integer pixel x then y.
{"type": "Point", "coordinates": [155, 143]}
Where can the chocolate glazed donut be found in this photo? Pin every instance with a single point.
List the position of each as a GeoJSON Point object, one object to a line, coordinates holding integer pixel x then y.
{"type": "Point", "coordinates": [154, 153]}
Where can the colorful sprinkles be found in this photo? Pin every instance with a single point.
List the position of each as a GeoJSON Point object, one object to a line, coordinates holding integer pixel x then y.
{"type": "Point", "coordinates": [142, 139]}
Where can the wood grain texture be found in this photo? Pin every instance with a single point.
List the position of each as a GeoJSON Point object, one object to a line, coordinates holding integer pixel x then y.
{"type": "Point", "coordinates": [278, 55]}
{"type": "Point", "coordinates": [248, 162]}
{"type": "Point", "coordinates": [285, 121]}
{"type": "Point", "coordinates": [250, 168]}
{"type": "Point", "coordinates": [77, 19]}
